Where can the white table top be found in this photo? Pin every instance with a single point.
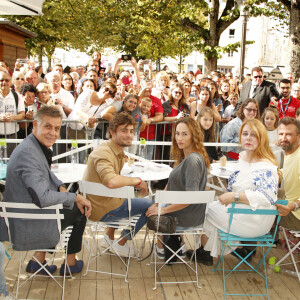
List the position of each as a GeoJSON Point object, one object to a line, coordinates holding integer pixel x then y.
{"type": "Point", "coordinates": [225, 172]}
{"type": "Point", "coordinates": [68, 172]}
{"type": "Point", "coordinates": [147, 171]}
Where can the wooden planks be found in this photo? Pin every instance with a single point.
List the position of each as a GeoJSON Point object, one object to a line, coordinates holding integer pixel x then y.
{"type": "Point", "coordinates": [141, 281]}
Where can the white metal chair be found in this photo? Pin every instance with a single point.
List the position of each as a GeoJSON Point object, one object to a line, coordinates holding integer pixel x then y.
{"type": "Point", "coordinates": [97, 229]}
{"type": "Point", "coordinates": [20, 211]}
{"type": "Point", "coordinates": [180, 197]}
{"type": "Point", "coordinates": [292, 247]}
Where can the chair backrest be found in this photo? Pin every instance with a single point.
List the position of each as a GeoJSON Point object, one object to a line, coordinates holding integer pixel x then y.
{"type": "Point", "coordinates": [98, 189]}
{"type": "Point", "coordinates": [20, 211]}
{"type": "Point", "coordinates": [247, 211]}
{"type": "Point", "coordinates": [184, 197]}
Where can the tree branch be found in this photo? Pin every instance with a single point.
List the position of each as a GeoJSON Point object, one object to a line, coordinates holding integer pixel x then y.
{"type": "Point", "coordinates": [187, 23]}
{"type": "Point", "coordinates": [287, 4]}
{"type": "Point", "coordinates": [223, 24]}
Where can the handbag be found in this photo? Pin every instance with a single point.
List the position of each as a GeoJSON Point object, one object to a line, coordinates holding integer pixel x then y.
{"type": "Point", "coordinates": [165, 223]}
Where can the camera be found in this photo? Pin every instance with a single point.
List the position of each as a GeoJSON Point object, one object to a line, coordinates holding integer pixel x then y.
{"type": "Point", "coordinates": [126, 57]}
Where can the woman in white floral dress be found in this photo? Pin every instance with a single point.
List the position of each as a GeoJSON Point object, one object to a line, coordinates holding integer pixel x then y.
{"type": "Point", "coordinates": [254, 183]}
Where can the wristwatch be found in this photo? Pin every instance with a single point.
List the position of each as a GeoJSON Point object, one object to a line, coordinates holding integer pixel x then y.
{"type": "Point", "coordinates": [296, 206]}
{"type": "Point", "coordinates": [151, 120]}
{"type": "Point", "coordinates": [236, 197]}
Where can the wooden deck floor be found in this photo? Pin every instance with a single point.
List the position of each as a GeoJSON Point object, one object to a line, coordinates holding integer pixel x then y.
{"type": "Point", "coordinates": [141, 281]}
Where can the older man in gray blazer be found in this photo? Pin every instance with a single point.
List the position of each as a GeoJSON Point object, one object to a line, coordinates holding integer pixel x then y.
{"type": "Point", "coordinates": [30, 180]}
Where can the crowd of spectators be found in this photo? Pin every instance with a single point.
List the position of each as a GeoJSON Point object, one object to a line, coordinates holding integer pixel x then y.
{"type": "Point", "coordinates": [194, 109]}
{"type": "Point", "coordinates": [91, 93]}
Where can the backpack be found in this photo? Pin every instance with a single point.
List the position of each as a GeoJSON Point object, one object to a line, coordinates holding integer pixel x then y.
{"type": "Point", "coordinates": [16, 99]}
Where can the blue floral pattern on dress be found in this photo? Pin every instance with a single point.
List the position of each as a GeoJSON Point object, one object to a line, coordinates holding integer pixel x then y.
{"type": "Point", "coordinates": [232, 180]}
{"type": "Point", "coordinates": [265, 183]}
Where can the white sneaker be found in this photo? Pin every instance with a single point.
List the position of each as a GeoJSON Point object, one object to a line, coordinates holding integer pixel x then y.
{"type": "Point", "coordinates": [106, 242]}
{"type": "Point", "coordinates": [122, 250]}
{"type": "Point", "coordinates": [182, 252]}
{"type": "Point", "coordinates": [160, 252]}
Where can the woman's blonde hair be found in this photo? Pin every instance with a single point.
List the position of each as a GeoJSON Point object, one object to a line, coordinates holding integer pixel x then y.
{"type": "Point", "coordinates": [162, 75]}
{"type": "Point", "coordinates": [197, 138]}
{"type": "Point", "coordinates": [263, 150]}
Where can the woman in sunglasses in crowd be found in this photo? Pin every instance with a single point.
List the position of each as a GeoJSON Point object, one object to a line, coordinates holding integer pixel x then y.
{"type": "Point", "coordinates": [18, 79]}
{"type": "Point", "coordinates": [174, 109]}
{"type": "Point", "coordinates": [230, 132]}
{"type": "Point", "coordinates": [205, 101]}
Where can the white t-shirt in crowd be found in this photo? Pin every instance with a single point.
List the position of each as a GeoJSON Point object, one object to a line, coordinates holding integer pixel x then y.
{"type": "Point", "coordinates": [228, 111]}
{"type": "Point", "coordinates": [67, 99]}
{"type": "Point", "coordinates": [8, 105]}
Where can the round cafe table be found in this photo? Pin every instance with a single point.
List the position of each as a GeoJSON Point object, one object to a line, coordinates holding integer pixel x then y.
{"type": "Point", "coordinates": [68, 172]}
{"type": "Point", "coordinates": [147, 171]}
{"type": "Point", "coordinates": [221, 173]}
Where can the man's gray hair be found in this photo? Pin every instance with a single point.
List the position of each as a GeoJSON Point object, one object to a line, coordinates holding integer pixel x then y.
{"type": "Point", "coordinates": [50, 111]}
{"type": "Point", "coordinates": [50, 75]}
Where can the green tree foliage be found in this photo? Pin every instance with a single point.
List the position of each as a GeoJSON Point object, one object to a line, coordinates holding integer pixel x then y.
{"type": "Point", "coordinates": [144, 28]}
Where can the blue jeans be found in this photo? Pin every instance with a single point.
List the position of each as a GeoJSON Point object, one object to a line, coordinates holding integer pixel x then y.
{"type": "Point", "coordinates": [3, 289]}
{"type": "Point", "coordinates": [150, 150]}
{"type": "Point", "coordinates": [138, 206]}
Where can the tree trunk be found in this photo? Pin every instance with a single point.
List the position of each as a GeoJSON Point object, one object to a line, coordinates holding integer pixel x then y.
{"type": "Point", "coordinates": [49, 60]}
{"type": "Point", "coordinates": [40, 56]}
{"type": "Point", "coordinates": [295, 38]}
{"type": "Point", "coordinates": [158, 64]}
{"type": "Point", "coordinates": [211, 61]}
{"type": "Point", "coordinates": [210, 65]}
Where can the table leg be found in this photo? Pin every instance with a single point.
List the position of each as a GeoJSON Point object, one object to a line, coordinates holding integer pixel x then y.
{"type": "Point", "coordinates": [150, 193]}
{"type": "Point", "coordinates": [221, 184]}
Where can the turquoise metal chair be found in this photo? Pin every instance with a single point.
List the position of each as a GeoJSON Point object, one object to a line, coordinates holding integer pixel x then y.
{"type": "Point", "coordinates": [232, 241]}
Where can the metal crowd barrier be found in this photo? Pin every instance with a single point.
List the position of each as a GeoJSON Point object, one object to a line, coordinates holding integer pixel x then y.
{"type": "Point", "coordinates": [62, 148]}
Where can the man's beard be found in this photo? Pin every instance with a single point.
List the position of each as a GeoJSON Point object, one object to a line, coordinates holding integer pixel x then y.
{"type": "Point", "coordinates": [287, 146]}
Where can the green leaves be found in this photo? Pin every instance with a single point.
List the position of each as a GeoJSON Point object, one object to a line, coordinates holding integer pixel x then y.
{"type": "Point", "coordinates": [144, 28]}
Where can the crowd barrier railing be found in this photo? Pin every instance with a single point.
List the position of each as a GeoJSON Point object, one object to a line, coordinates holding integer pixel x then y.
{"type": "Point", "coordinates": [88, 138]}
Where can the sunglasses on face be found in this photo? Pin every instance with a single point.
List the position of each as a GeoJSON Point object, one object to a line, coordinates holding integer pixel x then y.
{"type": "Point", "coordinates": [6, 80]}
{"type": "Point", "coordinates": [18, 78]}
{"type": "Point", "coordinates": [106, 89]}
{"type": "Point", "coordinates": [177, 92]}
{"type": "Point", "coordinates": [258, 76]}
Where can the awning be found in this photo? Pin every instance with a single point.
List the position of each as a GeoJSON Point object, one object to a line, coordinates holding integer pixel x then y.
{"type": "Point", "coordinates": [21, 7]}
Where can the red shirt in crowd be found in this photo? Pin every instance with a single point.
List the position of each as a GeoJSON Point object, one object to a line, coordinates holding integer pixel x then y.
{"type": "Point", "coordinates": [290, 110]}
{"type": "Point", "coordinates": [149, 134]}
